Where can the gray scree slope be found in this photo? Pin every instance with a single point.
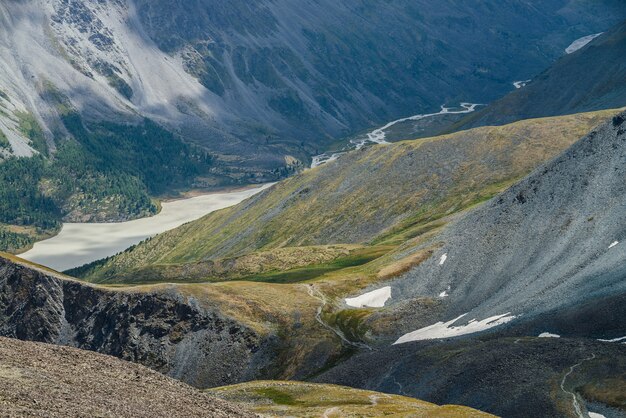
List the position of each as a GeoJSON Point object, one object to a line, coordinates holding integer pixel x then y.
{"type": "Point", "coordinates": [541, 245]}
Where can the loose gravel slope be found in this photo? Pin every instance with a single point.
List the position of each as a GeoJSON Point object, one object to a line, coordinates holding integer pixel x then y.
{"type": "Point", "coordinates": [40, 380]}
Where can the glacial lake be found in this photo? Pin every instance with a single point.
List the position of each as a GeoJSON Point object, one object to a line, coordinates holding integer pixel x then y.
{"type": "Point", "coordinates": [81, 243]}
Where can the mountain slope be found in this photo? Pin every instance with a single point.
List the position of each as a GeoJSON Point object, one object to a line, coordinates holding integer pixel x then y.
{"type": "Point", "coordinates": [118, 101]}
{"type": "Point", "coordinates": [384, 193]}
{"type": "Point", "coordinates": [592, 78]}
{"type": "Point", "coordinates": [203, 334]}
{"type": "Point", "coordinates": [254, 83]}
{"type": "Point", "coordinates": [45, 380]}
{"type": "Point", "coordinates": [550, 241]}
{"type": "Point", "coordinates": [544, 257]}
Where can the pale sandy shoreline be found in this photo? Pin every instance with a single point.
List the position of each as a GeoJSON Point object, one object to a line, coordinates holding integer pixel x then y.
{"type": "Point", "coordinates": [82, 243]}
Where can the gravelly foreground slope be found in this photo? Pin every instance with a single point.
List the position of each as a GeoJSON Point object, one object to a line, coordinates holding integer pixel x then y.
{"type": "Point", "coordinates": [40, 380]}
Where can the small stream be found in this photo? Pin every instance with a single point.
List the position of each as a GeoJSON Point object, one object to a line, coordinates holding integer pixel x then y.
{"type": "Point", "coordinates": [378, 136]}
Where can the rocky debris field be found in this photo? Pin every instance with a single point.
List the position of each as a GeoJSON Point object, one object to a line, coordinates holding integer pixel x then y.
{"type": "Point", "coordinates": [40, 380]}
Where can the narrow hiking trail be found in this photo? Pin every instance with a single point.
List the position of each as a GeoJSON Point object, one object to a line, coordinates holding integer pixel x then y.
{"type": "Point", "coordinates": [315, 293]}
{"type": "Point", "coordinates": [575, 403]}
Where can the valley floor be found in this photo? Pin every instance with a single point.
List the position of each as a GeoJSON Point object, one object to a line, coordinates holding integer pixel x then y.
{"type": "Point", "coordinates": [82, 243]}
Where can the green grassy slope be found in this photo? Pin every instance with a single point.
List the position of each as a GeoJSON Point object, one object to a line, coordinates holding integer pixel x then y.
{"type": "Point", "coordinates": [276, 398]}
{"type": "Point", "coordinates": [281, 265]}
{"type": "Point", "coordinates": [383, 195]}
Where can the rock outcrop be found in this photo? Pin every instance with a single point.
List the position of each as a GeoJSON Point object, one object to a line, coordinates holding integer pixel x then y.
{"type": "Point", "coordinates": [163, 330]}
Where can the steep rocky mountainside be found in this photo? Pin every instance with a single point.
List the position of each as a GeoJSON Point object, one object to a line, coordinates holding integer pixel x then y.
{"type": "Point", "coordinates": [162, 330]}
{"type": "Point", "coordinates": [40, 380]}
{"type": "Point", "coordinates": [543, 258]}
{"type": "Point", "coordinates": [551, 241]}
{"type": "Point", "coordinates": [382, 195]}
{"type": "Point", "coordinates": [205, 334]}
{"type": "Point", "coordinates": [591, 78]}
{"type": "Point", "coordinates": [254, 83]}
{"type": "Point", "coordinates": [510, 377]}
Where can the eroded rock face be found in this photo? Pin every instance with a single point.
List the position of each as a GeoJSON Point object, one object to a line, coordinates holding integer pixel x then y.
{"type": "Point", "coordinates": [164, 331]}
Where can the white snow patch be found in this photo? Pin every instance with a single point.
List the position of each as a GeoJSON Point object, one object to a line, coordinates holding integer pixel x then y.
{"type": "Point", "coordinates": [520, 84]}
{"type": "Point", "coordinates": [443, 259]}
{"type": "Point", "coordinates": [378, 136]}
{"type": "Point", "coordinates": [614, 244]}
{"type": "Point", "coordinates": [581, 43]}
{"type": "Point", "coordinates": [446, 330]}
{"type": "Point", "coordinates": [548, 335]}
{"type": "Point", "coordinates": [614, 340]}
{"type": "Point", "coordinates": [374, 299]}
{"type": "Point", "coordinates": [595, 415]}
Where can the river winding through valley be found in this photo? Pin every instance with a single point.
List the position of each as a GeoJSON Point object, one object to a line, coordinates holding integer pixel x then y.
{"type": "Point", "coordinates": [81, 243]}
{"type": "Point", "coordinates": [378, 136]}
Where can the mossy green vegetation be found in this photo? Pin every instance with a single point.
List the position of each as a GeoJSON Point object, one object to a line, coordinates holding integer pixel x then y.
{"type": "Point", "coordinates": [13, 241]}
{"type": "Point", "coordinates": [4, 142]}
{"type": "Point", "coordinates": [285, 265]}
{"type": "Point", "coordinates": [358, 258]}
{"type": "Point", "coordinates": [21, 200]}
{"type": "Point", "coordinates": [278, 398]}
{"type": "Point", "coordinates": [30, 128]}
{"type": "Point", "coordinates": [351, 322]}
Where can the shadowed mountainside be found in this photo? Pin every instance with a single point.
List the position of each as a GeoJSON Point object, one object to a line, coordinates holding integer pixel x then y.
{"type": "Point", "coordinates": [511, 377]}
{"type": "Point", "coordinates": [255, 82]}
{"type": "Point", "coordinates": [589, 79]}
